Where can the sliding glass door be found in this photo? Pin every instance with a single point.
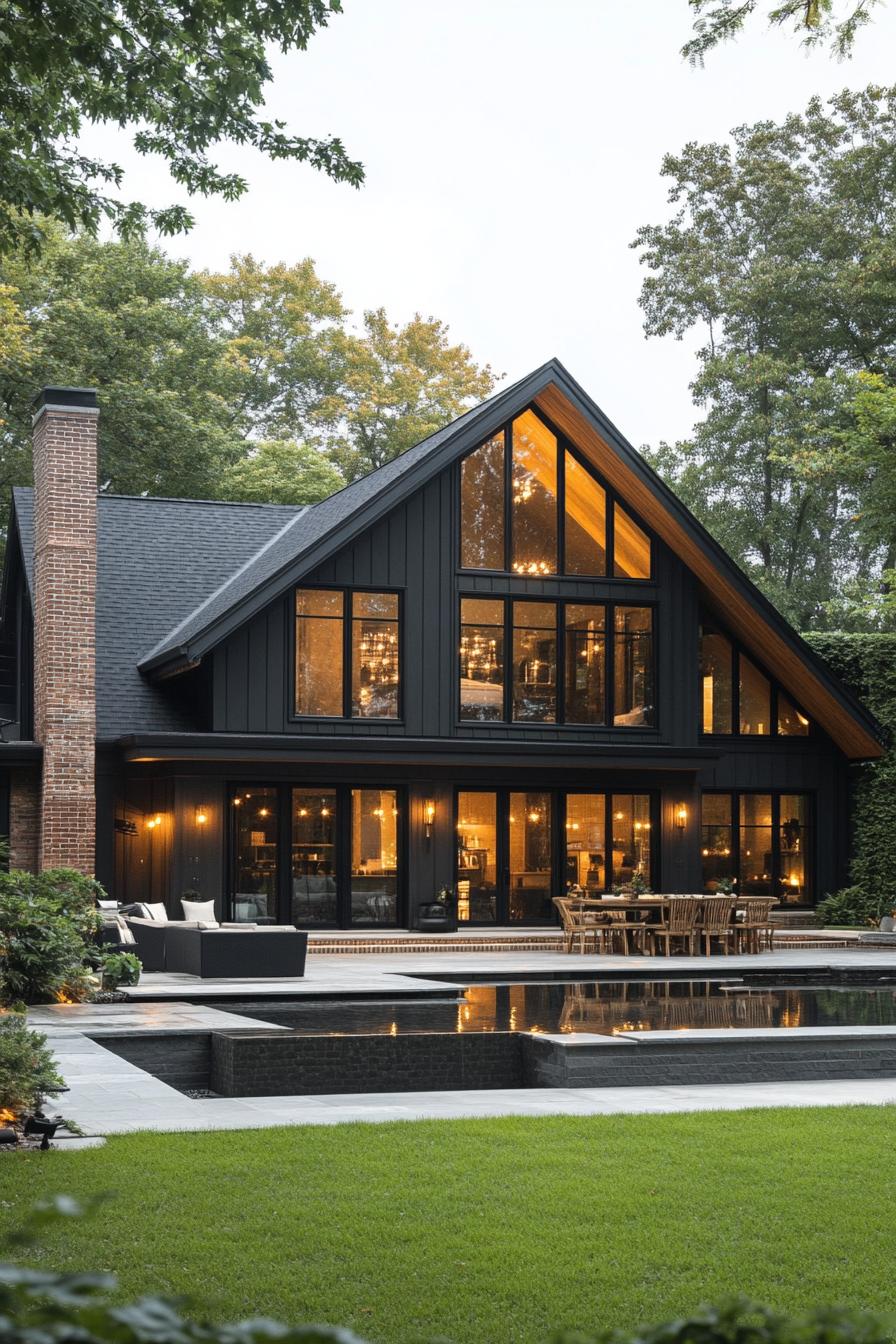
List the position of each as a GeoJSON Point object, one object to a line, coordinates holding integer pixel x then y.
{"type": "Point", "coordinates": [517, 850]}
{"type": "Point", "coordinates": [316, 857]}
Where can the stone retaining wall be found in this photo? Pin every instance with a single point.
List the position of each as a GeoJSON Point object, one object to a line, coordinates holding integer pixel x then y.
{"type": "Point", "coordinates": [249, 1065]}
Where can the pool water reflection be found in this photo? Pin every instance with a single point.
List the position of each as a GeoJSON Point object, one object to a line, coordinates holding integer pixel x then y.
{"type": "Point", "coordinates": [589, 1006]}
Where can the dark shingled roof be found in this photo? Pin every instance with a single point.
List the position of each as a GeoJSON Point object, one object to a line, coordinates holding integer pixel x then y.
{"type": "Point", "coordinates": [158, 560]}
{"type": "Point", "coordinates": [319, 520]}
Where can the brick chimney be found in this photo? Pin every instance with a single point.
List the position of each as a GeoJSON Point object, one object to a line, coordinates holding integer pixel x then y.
{"type": "Point", "coordinates": [65, 490]}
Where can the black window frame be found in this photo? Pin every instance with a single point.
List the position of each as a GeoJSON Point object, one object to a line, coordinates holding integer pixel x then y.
{"type": "Point", "coordinates": [613, 498]}
{"type": "Point", "coordinates": [283, 888]}
{"type": "Point", "coordinates": [560, 604]}
{"type": "Point", "coordinates": [558, 798]}
{"type": "Point", "coordinates": [775, 690]}
{"type": "Point", "coordinates": [776, 794]}
{"type": "Point", "coordinates": [348, 619]}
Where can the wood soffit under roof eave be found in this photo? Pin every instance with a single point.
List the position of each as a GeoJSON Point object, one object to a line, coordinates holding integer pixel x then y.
{"type": "Point", "coordinates": [855, 741]}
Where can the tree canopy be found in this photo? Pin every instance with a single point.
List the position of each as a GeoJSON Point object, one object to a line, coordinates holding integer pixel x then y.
{"type": "Point", "coordinates": [816, 21]}
{"type": "Point", "coordinates": [781, 251]}
{"type": "Point", "coordinates": [256, 383]}
{"type": "Point", "coordinates": [184, 78]}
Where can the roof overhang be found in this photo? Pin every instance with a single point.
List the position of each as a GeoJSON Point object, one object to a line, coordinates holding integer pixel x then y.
{"type": "Point", "coordinates": [759, 624]}
{"type": "Point", "coordinates": [242, 749]}
{"type": "Point", "coordinates": [560, 397]}
{"type": "Point", "coordinates": [20, 753]}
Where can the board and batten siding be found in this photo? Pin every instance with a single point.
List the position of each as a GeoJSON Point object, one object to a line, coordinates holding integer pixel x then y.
{"type": "Point", "coordinates": [414, 550]}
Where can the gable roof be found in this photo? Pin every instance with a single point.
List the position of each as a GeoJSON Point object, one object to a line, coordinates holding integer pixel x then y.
{"type": "Point", "coordinates": [157, 560]}
{"type": "Point", "coordinates": [213, 619]}
{"type": "Point", "coordinates": [310, 537]}
{"type": "Point", "coordinates": [176, 577]}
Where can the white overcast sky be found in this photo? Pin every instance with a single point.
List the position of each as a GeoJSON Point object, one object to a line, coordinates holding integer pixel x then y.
{"type": "Point", "coordinates": [512, 148]}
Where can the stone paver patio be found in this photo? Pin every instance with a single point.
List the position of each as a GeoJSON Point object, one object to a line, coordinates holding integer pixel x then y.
{"type": "Point", "coordinates": [108, 1095]}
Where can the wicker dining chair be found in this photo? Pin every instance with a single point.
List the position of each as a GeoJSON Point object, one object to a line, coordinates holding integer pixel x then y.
{"type": "Point", "coordinates": [755, 930]}
{"type": "Point", "coordinates": [715, 922]}
{"type": "Point", "coordinates": [582, 924]}
{"type": "Point", "coordinates": [567, 922]}
{"type": "Point", "coordinates": [679, 923]}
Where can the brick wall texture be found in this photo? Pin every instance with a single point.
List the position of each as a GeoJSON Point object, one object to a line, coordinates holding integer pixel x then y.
{"type": "Point", "coordinates": [65, 488]}
{"type": "Point", "coordinates": [24, 819]}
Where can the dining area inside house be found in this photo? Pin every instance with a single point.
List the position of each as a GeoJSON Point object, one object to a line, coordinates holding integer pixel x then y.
{"type": "Point", "coordinates": [644, 924]}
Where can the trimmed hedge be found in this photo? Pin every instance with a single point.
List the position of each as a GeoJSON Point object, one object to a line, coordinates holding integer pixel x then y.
{"type": "Point", "coordinates": [867, 665]}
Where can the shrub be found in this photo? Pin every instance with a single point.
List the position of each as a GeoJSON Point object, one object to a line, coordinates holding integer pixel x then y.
{"type": "Point", "coordinates": [120, 968]}
{"type": "Point", "coordinates": [46, 924]}
{"type": "Point", "coordinates": [854, 905]}
{"type": "Point", "coordinates": [867, 665]}
{"type": "Point", "coordinates": [27, 1070]}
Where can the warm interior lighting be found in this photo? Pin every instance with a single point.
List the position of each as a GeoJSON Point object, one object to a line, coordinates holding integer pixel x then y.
{"type": "Point", "coordinates": [681, 816]}
{"type": "Point", "coordinates": [429, 816]}
{"type": "Point", "coordinates": [201, 816]}
{"type": "Point", "coordinates": [154, 822]}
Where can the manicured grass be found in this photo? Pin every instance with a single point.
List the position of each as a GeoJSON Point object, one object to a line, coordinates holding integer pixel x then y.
{"type": "Point", "coordinates": [489, 1230]}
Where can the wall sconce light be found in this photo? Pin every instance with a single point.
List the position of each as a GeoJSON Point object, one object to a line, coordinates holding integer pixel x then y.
{"type": "Point", "coordinates": [429, 816]}
{"type": "Point", "coordinates": [154, 822]}
{"type": "Point", "coordinates": [681, 816]}
{"type": "Point", "coordinates": [201, 816]}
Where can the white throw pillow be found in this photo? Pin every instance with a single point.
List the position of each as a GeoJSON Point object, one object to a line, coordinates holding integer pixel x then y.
{"type": "Point", "coordinates": [208, 924]}
{"type": "Point", "coordinates": [204, 910]}
{"type": "Point", "coordinates": [157, 912]}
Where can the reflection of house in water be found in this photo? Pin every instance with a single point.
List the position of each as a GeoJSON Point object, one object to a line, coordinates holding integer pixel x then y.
{"type": "Point", "coordinates": [672, 1006]}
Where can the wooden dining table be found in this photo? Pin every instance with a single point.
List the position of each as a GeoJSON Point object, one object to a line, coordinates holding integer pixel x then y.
{"type": "Point", "coordinates": [630, 906]}
{"type": "Point", "coordinates": [626, 905]}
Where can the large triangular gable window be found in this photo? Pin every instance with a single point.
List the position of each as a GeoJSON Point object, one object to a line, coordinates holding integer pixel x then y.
{"type": "Point", "coordinates": [736, 697]}
{"type": "Point", "coordinates": [530, 506]}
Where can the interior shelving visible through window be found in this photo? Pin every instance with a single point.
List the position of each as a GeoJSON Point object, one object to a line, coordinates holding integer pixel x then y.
{"type": "Point", "coordinates": [737, 698]}
{"type": "Point", "coordinates": [347, 654]}
{"type": "Point", "coordinates": [516, 850]}
{"type": "Point", "coordinates": [761, 842]}
{"type": "Point", "coordinates": [526, 661]}
{"type": "Point", "coordinates": [530, 506]}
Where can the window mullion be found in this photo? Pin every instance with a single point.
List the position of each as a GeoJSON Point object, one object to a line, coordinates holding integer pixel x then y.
{"type": "Point", "coordinates": [611, 665]}
{"type": "Point", "coordinates": [508, 491]}
{"type": "Point", "coordinates": [776, 847]}
{"type": "Point", "coordinates": [508, 660]}
{"type": "Point", "coordinates": [348, 631]}
{"type": "Point", "coordinates": [560, 628]}
{"type": "Point", "coordinates": [561, 507]}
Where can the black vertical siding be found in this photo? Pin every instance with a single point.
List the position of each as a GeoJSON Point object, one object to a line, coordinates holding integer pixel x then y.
{"type": "Point", "coordinates": [413, 550]}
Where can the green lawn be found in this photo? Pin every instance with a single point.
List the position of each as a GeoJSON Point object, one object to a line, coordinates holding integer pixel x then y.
{"type": "Point", "coordinates": [489, 1230]}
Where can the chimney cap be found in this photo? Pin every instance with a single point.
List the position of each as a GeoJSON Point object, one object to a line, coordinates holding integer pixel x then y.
{"type": "Point", "coordinates": [79, 398]}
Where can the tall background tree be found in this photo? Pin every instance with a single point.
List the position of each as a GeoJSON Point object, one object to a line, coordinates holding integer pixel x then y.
{"type": "Point", "coordinates": [817, 22]}
{"type": "Point", "coordinates": [781, 252]}
{"type": "Point", "coordinates": [184, 78]}
{"type": "Point", "coordinates": [256, 383]}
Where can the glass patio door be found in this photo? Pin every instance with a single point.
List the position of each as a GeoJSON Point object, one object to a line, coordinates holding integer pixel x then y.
{"type": "Point", "coordinates": [325, 857]}
{"type": "Point", "coordinates": [505, 857]}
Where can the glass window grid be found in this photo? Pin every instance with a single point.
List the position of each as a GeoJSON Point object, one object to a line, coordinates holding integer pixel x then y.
{"type": "Point", "coordinates": [559, 851]}
{"type": "Point", "coordinates": [612, 500]}
{"type": "Point", "coordinates": [560, 718]}
{"type": "Point", "coordinates": [735, 795]}
{"type": "Point", "coordinates": [348, 619]}
{"type": "Point", "coordinates": [281, 794]}
{"type": "Point", "coordinates": [776, 691]}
